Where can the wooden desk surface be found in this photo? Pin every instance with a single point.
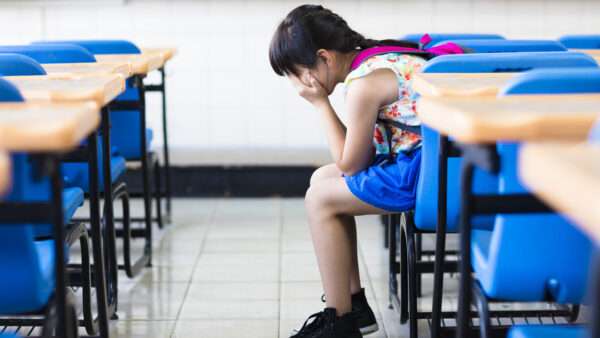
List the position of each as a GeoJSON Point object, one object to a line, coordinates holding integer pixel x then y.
{"type": "Point", "coordinates": [460, 84]}
{"type": "Point", "coordinates": [166, 53]}
{"type": "Point", "coordinates": [511, 118]}
{"type": "Point", "coordinates": [43, 127]}
{"type": "Point", "coordinates": [141, 64]}
{"type": "Point", "coordinates": [5, 173]}
{"type": "Point", "coordinates": [98, 88]}
{"type": "Point", "coordinates": [567, 177]}
{"type": "Point", "coordinates": [89, 68]}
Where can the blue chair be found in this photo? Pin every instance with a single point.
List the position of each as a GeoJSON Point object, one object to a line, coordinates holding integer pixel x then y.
{"type": "Point", "coordinates": [29, 264]}
{"type": "Point", "coordinates": [520, 260]}
{"type": "Point", "coordinates": [507, 62]}
{"type": "Point", "coordinates": [425, 216]}
{"type": "Point", "coordinates": [17, 64]}
{"type": "Point", "coordinates": [581, 41]}
{"type": "Point", "coordinates": [51, 53]}
{"type": "Point", "coordinates": [504, 46]}
{"type": "Point", "coordinates": [439, 37]}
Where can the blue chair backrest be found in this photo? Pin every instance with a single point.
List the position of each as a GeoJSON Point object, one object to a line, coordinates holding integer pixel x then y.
{"type": "Point", "coordinates": [581, 41]}
{"type": "Point", "coordinates": [101, 46]}
{"type": "Point", "coordinates": [506, 62]}
{"type": "Point", "coordinates": [16, 64]}
{"type": "Point", "coordinates": [555, 81]}
{"type": "Point", "coordinates": [9, 93]}
{"type": "Point", "coordinates": [500, 46]}
{"type": "Point", "coordinates": [439, 37]}
{"type": "Point", "coordinates": [552, 254]}
{"type": "Point", "coordinates": [27, 274]}
{"type": "Point", "coordinates": [52, 53]}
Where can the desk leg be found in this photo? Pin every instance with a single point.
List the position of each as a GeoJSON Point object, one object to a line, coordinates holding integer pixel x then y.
{"type": "Point", "coordinates": [464, 297]}
{"type": "Point", "coordinates": [145, 171]}
{"type": "Point", "coordinates": [440, 238]}
{"type": "Point", "coordinates": [109, 219]}
{"type": "Point", "coordinates": [98, 251]}
{"type": "Point", "coordinates": [167, 164]}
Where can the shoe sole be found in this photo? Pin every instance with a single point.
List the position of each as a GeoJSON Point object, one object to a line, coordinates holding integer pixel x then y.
{"type": "Point", "coordinates": [369, 329]}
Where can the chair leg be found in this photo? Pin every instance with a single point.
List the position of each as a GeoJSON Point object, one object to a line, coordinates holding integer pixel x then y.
{"type": "Point", "coordinates": [482, 310]}
{"type": "Point", "coordinates": [419, 254]}
{"type": "Point", "coordinates": [403, 272]}
{"type": "Point", "coordinates": [392, 261]}
{"type": "Point", "coordinates": [385, 221]}
{"type": "Point", "coordinates": [412, 282]}
{"type": "Point", "coordinates": [157, 192]}
{"type": "Point", "coordinates": [147, 205]}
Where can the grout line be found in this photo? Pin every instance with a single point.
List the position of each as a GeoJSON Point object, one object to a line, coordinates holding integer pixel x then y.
{"type": "Point", "coordinates": [210, 221]}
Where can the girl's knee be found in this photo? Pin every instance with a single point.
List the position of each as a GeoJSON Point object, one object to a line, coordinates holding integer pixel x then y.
{"type": "Point", "coordinates": [318, 200]}
{"type": "Point", "coordinates": [324, 172]}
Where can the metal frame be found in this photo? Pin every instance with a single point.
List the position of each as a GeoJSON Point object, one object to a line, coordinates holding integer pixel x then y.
{"type": "Point", "coordinates": [161, 87]}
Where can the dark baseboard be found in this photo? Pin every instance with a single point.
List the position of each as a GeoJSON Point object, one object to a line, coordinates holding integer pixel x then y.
{"type": "Point", "coordinates": [250, 181]}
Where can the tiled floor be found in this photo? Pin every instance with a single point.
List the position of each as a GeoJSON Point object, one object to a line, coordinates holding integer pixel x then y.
{"type": "Point", "coordinates": [241, 268]}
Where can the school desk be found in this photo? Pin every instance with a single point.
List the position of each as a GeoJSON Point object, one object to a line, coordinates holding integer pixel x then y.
{"type": "Point", "coordinates": [166, 53]}
{"type": "Point", "coordinates": [460, 84]}
{"type": "Point", "coordinates": [141, 64]}
{"type": "Point", "coordinates": [45, 126]}
{"type": "Point", "coordinates": [91, 68]}
{"type": "Point", "coordinates": [101, 89]}
{"type": "Point", "coordinates": [511, 118]}
{"type": "Point", "coordinates": [566, 176]}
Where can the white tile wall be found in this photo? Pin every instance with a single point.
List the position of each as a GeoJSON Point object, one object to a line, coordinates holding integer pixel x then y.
{"type": "Point", "coordinates": [226, 105]}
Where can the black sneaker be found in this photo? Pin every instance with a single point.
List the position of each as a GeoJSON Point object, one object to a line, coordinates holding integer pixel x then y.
{"type": "Point", "coordinates": [327, 324]}
{"type": "Point", "coordinates": [363, 313]}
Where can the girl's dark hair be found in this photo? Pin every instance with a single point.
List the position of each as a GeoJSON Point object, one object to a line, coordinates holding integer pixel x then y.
{"type": "Point", "coordinates": [308, 28]}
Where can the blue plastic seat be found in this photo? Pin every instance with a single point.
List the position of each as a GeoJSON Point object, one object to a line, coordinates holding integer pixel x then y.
{"type": "Point", "coordinates": [100, 46]}
{"type": "Point", "coordinates": [52, 53]}
{"type": "Point", "coordinates": [500, 46]}
{"type": "Point", "coordinates": [547, 331]}
{"type": "Point", "coordinates": [9, 93]}
{"type": "Point", "coordinates": [555, 81]}
{"type": "Point", "coordinates": [506, 62]}
{"type": "Point", "coordinates": [581, 41]}
{"type": "Point", "coordinates": [17, 64]}
{"type": "Point", "coordinates": [439, 37]}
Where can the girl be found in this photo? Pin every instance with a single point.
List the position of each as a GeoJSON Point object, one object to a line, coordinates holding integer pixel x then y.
{"type": "Point", "coordinates": [377, 153]}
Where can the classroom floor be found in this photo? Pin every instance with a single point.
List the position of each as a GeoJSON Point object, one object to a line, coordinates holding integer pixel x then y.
{"type": "Point", "coordinates": [242, 268]}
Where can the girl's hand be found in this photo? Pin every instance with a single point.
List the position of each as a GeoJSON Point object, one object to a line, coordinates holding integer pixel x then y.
{"type": "Point", "coordinates": [311, 90]}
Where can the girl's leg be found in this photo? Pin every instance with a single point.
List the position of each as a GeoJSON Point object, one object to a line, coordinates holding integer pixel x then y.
{"type": "Point", "coordinates": [331, 171]}
{"type": "Point", "coordinates": [330, 204]}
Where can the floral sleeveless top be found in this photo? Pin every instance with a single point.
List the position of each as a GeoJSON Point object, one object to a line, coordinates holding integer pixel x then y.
{"type": "Point", "coordinates": [388, 132]}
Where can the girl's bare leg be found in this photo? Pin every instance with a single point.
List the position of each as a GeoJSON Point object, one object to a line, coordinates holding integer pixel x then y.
{"type": "Point", "coordinates": [330, 205]}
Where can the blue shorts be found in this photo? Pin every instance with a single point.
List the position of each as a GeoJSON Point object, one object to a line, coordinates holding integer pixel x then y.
{"type": "Point", "coordinates": [387, 184]}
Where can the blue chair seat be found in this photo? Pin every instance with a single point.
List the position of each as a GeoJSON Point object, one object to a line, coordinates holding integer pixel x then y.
{"type": "Point", "coordinates": [20, 292]}
{"type": "Point", "coordinates": [100, 46]}
{"type": "Point", "coordinates": [547, 331]}
{"type": "Point", "coordinates": [52, 53]}
{"type": "Point", "coordinates": [76, 174]}
{"type": "Point", "coordinates": [72, 199]}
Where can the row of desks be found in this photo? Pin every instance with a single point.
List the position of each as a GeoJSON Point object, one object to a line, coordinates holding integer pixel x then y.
{"type": "Point", "coordinates": [567, 176]}
{"type": "Point", "coordinates": [62, 108]}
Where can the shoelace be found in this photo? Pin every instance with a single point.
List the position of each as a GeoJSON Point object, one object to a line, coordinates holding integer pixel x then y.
{"type": "Point", "coordinates": [309, 325]}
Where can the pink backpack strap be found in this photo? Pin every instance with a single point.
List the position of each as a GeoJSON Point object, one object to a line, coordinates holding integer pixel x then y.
{"type": "Point", "coordinates": [446, 48]}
